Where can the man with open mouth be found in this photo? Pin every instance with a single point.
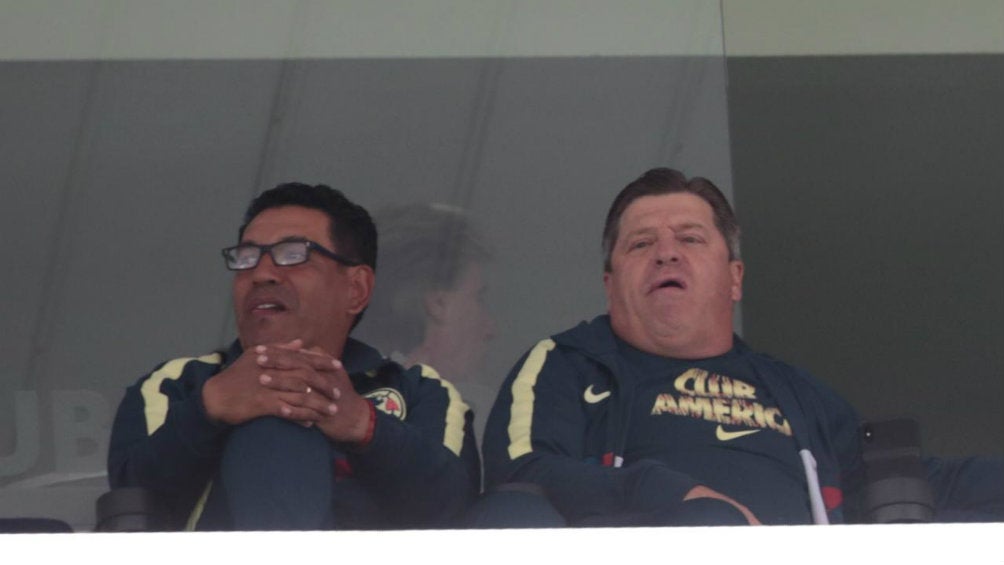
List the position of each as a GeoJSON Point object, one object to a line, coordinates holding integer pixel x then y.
{"type": "Point", "coordinates": [657, 413]}
{"type": "Point", "coordinates": [296, 425]}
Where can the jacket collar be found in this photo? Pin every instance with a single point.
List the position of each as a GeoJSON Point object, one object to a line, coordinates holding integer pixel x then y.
{"type": "Point", "coordinates": [596, 339]}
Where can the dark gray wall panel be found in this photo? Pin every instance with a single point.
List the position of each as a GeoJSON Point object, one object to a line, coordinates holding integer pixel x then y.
{"type": "Point", "coordinates": [871, 190]}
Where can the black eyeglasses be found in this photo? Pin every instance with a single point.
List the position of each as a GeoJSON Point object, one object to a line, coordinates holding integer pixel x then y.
{"type": "Point", "coordinates": [284, 254]}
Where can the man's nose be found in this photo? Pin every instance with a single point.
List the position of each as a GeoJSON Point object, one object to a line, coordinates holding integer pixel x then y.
{"type": "Point", "coordinates": [667, 250]}
{"type": "Point", "coordinates": [266, 271]}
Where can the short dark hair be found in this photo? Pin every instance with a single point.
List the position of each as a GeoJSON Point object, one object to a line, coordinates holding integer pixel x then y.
{"type": "Point", "coordinates": [352, 229]}
{"type": "Point", "coordinates": [667, 181]}
{"type": "Point", "coordinates": [424, 248]}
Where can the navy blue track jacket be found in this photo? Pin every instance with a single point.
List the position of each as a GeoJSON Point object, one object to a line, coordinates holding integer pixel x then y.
{"type": "Point", "coordinates": [421, 467]}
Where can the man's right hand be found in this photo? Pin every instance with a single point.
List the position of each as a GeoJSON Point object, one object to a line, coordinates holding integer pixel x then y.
{"type": "Point", "coordinates": [273, 380]}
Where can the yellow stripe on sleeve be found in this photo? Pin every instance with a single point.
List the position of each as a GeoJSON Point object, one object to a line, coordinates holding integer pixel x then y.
{"type": "Point", "coordinates": [155, 402]}
{"type": "Point", "coordinates": [453, 435]}
{"type": "Point", "coordinates": [521, 411]}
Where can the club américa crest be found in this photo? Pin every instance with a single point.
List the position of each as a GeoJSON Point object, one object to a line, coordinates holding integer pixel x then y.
{"type": "Point", "coordinates": [388, 401]}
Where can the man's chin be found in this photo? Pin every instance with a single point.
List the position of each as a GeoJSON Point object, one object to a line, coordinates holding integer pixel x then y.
{"type": "Point", "coordinates": [265, 336]}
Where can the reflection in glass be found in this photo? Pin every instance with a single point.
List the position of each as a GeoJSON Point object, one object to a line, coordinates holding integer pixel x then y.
{"type": "Point", "coordinates": [428, 305]}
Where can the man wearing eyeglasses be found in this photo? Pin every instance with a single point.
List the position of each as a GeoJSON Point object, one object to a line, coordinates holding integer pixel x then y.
{"type": "Point", "coordinates": [296, 425]}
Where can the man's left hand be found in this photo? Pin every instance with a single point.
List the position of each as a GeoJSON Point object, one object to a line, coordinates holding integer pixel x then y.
{"type": "Point", "coordinates": [339, 412]}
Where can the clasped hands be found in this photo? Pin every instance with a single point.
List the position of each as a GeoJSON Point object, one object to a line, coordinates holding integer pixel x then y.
{"type": "Point", "coordinates": [307, 386]}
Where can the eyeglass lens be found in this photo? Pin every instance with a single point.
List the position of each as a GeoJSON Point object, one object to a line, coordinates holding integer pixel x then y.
{"type": "Point", "coordinates": [284, 253]}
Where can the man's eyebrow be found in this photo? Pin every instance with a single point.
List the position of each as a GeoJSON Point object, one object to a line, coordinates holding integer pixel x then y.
{"type": "Point", "coordinates": [689, 226]}
{"type": "Point", "coordinates": [281, 240]}
{"type": "Point", "coordinates": [639, 231]}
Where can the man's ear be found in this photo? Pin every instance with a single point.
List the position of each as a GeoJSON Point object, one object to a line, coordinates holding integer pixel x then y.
{"type": "Point", "coordinates": [361, 281]}
{"type": "Point", "coordinates": [606, 285]}
{"type": "Point", "coordinates": [736, 268]}
{"type": "Point", "coordinates": [434, 302]}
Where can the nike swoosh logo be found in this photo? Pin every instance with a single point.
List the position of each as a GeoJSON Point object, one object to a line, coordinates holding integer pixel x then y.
{"type": "Point", "coordinates": [723, 435]}
{"type": "Point", "coordinates": [592, 397]}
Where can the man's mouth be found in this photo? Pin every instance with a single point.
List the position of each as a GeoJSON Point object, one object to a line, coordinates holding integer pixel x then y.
{"type": "Point", "coordinates": [266, 305]}
{"type": "Point", "coordinates": [273, 306]}
{"type": "Point", "coordinates": [669, 283]}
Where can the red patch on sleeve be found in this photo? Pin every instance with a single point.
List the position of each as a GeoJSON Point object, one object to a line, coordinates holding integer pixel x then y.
{"type": "Point", "coordinates": [832, 497]}
{"type": "Point", "coordinates": [342, 469]}
{"type": "Point", "coordinates": [608, 459]}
